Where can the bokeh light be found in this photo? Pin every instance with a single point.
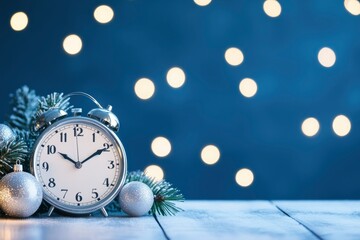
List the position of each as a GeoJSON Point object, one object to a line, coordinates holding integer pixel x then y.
{"type": "Point", "coordinates": [244, 177]}
{"type": "Point", "coordinates": [352, 6]}
{"type": "Point", "coordinates": [161, 146]}
{"type": "Point", "coordinates": [341, 125]}
{"type": "Point", "coordinates": [72, 44]}
{"type": "Point", "coordinates": [248, 87]}
{"type": "Point", "coordinates": [103, 14]}
{"type": "Point", "coordinates": [327, 57]}
{"type": "Point", "coordinates": [202, 3]}
{"type": "Point", "coordinates": [175, 77]}
{"type": "Point", "coordinates": [310, 126]}
{"type": "Point", "coordinates": [272, 8]}
{"type": "Point", "coordinates": [154, 171]}
{"type": "Point", "coordinates": [19, 21]}
{"type": "Point", "coordinates": [210, 154]}
{"type": "Point", "coordinates": [144, 88]}
{"type": "Point", "coordinates": [234, 56]}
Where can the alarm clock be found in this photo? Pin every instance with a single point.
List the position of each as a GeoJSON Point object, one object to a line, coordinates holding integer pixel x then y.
{"type": "Point", "coordinates": [79, 160]}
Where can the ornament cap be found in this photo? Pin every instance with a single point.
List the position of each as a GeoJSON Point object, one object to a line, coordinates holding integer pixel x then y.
{"type": "Point", "coordinates": [18, 167]}
{"type": "Point", "coordinates": [105, 116]}
{"type": "Point", "coordinates": [48, 117]}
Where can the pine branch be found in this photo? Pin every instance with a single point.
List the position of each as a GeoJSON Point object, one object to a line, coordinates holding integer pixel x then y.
{"type": "Point", "coordinates": [29, 137]}
{"type": "Point", "coordinates": [15, 150]}
{"type": "Point", "coordinates": [53, 100]}
{"type": "Point", "coordinates": [164, 193]}
{"type": "Point", "coordinates": [24, 105]}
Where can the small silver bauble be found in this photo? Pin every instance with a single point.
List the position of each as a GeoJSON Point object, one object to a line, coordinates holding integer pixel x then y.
{"type": "Point", "coordinates": [6, 135]}
{"type": "Point", "coordinates": [136, 199]}
{"type": "Point", "coordinates": [20, 193]}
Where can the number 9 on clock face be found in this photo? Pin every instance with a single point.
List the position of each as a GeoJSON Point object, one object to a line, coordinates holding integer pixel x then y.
{"type": "Point", "coordinates": [80, 163]}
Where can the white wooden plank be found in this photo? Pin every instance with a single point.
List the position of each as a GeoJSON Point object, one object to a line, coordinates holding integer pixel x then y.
{"type": "Point", "coordinates": [232, 220]}
{"type": "Point", "coordinates": [64, 228]}
{"type": "Point", "coordinates": [329, 219]}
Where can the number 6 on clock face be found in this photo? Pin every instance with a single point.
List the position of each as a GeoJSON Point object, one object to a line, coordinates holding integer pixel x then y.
{"type": "Point", "coordinates": [80, 164]}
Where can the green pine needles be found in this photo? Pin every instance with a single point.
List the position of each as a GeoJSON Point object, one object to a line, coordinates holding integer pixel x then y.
{"type": "Point", "coordinates": [24, 104]}
{"type": "Point", "coordinates": [15, 150]}
{"type": "Point", "coordinates": [53, 100]}
{"type": "Point", "coordinates": [164, 193]}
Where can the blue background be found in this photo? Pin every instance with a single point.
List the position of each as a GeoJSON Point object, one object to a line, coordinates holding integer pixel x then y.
{"type": "Point", "coordinates": [262, 133]}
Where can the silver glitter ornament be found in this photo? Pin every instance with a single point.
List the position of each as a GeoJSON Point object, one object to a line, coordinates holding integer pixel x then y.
{"type": "Point", "coordinates": [6, 135]}
{"type": "Point", "coordinates": [136, 199]}
{"type": "Point", "coordinates": [20, 193]}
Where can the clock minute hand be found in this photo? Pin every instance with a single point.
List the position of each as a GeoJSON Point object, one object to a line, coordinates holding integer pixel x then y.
{"type": "Point", "coordinates": [98, 152]}
{"type": "Point", "coordinates": [65, 156]}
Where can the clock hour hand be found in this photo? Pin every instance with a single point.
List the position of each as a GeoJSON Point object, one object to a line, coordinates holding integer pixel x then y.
{"type": "Point", "coordinates": [98, 152]}
{"type": "Point", "coordinates": [65, 156]}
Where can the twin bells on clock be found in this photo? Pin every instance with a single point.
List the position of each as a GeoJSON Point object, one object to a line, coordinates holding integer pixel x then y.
{"type": "Point", "coordinates": [101, 114]}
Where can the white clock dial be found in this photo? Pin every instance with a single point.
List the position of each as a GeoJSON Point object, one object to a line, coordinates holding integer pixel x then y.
{"type": "Point", "coordinates": [79, 164]}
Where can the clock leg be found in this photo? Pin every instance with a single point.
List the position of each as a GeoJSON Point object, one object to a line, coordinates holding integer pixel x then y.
{"type": "Point", "coordinates": [103, 211]}
{"type": "Point", "coordinates": [51, 210]}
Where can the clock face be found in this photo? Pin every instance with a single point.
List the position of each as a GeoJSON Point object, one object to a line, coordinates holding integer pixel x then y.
{"type": "Point", "coordinates": [80, 164]}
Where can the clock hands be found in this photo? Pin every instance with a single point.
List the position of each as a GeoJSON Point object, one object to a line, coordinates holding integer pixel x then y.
{"type": "Point", "coordinates": [98, 152]}
{"type": "Point", "coordinates": [65, 156]}
{"type": "Point", "coordinates": [78, 164]}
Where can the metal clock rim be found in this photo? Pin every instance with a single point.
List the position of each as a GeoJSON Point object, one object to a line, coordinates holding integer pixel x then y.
{"type": "Point", "coordinates": [98, 205]}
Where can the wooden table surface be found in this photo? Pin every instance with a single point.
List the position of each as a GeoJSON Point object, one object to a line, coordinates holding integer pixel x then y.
{"type": "Point", "coordinates": [204, 220]}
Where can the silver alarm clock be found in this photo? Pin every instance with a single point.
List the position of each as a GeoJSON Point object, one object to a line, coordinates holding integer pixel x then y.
{"type": "Point", "coordinates": [79, 161]}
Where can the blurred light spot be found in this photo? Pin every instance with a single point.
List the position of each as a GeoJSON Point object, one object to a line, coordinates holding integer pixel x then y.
{"type": "Point", "coordinates": [72, 44]}
{"type": "Point", "coordinates": [234, 56]}
{"type": "Point", "coordinates": [161, 146]}
{"type": "Point", "coordinates": [175, 77]}
{"type": "Point", "coordinates": [103, 14]}
{"type": "Point", "coordinates": [341, 125]}
{"type": "Point", "coordinates": [272, 8]}
{"type": "Point", "coordinates": [144, 88]}
{"type": "Point", "coordinates": [352, 6]}
{"type": "Point", "coordinates": [310, 126]}
{"type": "Point", "coordinates": [155, 172]}
{"type": "Point", "coordinates": [210, 154]}
{"type": "Point", "coordinates": [19, 21]}
{"type": "Point", "coordinates": [202, 3]}
{"type": "Point", "coordinates": [244, 177]}
{"type": "Point", "coordinates": [327, 57]}
{"type": "Point", "coordinates": [248, 87]}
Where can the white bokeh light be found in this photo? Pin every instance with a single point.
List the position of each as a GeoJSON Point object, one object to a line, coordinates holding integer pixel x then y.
{"type": "Point", "coordinates": [310, 126]}
{"type": "Point", "coordinates": [175, 77]}
{"type": "Point", "coordinates": [272, 8]}
{"type": "Point", "coordinates": [72, 44]}
{"type": "Point", "coordinates": [352, 6]}
{"type": "Point", "coordinates": [202, 3]}
{"type": "Point", "coordinates": [248, 87]}
{"type": "Point", "coordinates": [341, 125]}
{"type": "Point", "coordinates": [144, 88]}
{"type": "Point", "coordinates": [19, 21]}
{"type": "Point", "coordinates": [154, 171]}
{"type": "Point", "coordinates": [210, 154]}
{"type": "Point", "coordinates": [234, 56]}
{"type": "Point", "coordinates": [161, 146]}
{"type": "Point", "coordinates": [244, 177]}
{"type": "Point", "coordinates": [103, 14]}
{"type": "Point", "coordinates": [326, 57]}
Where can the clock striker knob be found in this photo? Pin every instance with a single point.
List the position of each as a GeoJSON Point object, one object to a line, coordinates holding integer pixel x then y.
{"type": "Point", "coordinates": [105, 116]}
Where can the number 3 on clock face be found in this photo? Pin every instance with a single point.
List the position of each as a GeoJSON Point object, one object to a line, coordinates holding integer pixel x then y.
{"type": "Point", "coordinates": [80, 164]}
